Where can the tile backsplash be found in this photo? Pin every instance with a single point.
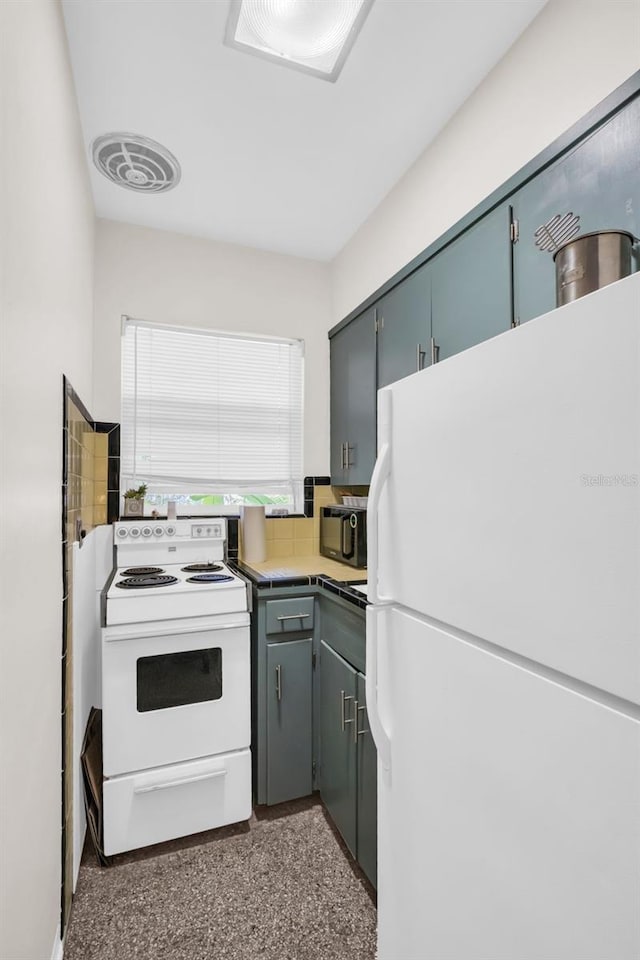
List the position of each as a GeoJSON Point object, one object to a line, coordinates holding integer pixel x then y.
{"type": "Point", "coordinates": [300, 536]}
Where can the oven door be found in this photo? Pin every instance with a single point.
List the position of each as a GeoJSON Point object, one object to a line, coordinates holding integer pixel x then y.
{"type": "Point", "coordinates": [174, 691]}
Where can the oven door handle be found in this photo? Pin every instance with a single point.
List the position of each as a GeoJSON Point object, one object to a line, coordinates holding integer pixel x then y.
{"type": "Point", "coordinates": [141, 631]}
{"type": "Point", "coordinates": [181, 782]}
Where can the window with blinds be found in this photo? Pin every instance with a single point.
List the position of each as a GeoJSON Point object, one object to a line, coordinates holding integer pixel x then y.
{"type": "Point", "coordinates": [212, 420]}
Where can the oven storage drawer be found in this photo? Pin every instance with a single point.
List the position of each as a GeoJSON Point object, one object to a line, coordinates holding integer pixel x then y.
{"type": "Point", "coordinates": [289, 616]}
{"type": "Point", "coordinates": [175, 801]}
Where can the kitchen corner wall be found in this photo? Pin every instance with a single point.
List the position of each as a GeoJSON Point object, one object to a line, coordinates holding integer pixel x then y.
{"type": "Point", "coordinates": [46, 312]}
{"type": "Point", "coordinates": [570, 58]}
{"type": "Point", "coordinates": [90, 463]}
{"type": "Point", "coordinates": [170, 278]}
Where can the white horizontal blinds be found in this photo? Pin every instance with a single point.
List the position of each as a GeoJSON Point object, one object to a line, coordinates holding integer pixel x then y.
{"type": "Point", "coordinates": [211, 413]}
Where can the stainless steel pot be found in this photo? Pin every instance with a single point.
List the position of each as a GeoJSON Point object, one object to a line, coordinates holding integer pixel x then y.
{"type": "Point", "coordinates": [592, 261]}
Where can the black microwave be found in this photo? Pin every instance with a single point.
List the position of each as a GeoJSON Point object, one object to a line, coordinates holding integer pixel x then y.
{"type": "Point", "coordinates": [343, 535]}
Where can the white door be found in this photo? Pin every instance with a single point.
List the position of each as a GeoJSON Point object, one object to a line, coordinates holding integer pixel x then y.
{"type": "Point", "coordinates": [512, 506]}
{"type": "Point", "coordinates": [174, 696]}
{"type": "Point", "coordinates": [509, 824]}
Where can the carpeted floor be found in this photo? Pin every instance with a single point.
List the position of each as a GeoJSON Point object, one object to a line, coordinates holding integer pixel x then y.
{"type": "Point", "coordinates": [281, 888]}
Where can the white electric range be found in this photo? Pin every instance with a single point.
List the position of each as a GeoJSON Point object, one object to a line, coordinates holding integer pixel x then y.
{"type": "Point", "coordinates": [175, 685]}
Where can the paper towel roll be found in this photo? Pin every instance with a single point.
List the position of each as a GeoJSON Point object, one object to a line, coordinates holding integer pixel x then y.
{"type": "Point", "coordinates": [253, 531]}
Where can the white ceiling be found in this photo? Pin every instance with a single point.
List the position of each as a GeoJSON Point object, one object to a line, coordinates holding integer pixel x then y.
{"type": "Point", "coordinates": [272, 158]}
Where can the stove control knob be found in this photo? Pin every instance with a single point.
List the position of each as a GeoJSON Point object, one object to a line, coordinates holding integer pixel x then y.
{"type": "Point", "coordinates": [146, 531]}
{"type": "Point", "coordinates": [122, 532]}
{"type": "Point", "coordinates": [170, 531]}
{"type": "Point", "coordinates": [134, 532]}
{"type": "Point", "coordinates": [158, 531]}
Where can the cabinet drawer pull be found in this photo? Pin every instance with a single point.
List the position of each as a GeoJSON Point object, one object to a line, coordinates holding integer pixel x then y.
{"type": "Point", "coordinates": [343, 719]}
{"type": "Point", "coordinates": [279, 682]}
{"type": "Point", "coordinates": [295, 616]}
{"type": "Point", "coordinates": [361, 733]}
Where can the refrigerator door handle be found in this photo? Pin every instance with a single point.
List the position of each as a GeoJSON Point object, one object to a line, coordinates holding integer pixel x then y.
{"type": "Point", "coordinates": [381, 473]}
{"type": "Point", "coordinates": [380, 736]}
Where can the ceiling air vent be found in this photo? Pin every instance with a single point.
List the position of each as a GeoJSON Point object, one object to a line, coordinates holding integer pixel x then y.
{"type": "Point", "coordinates": [136, 163]}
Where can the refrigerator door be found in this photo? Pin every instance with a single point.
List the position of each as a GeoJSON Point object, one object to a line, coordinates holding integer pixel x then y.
{"type": "Point", "coordinates": [506, 500]}
{"type": "Point", "coordinates": [508, 826]}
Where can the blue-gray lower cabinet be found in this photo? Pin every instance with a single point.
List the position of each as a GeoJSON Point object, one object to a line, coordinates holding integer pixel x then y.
{"type": "Point", "coordinates": [289, 719]}
{"type": "Point", "coordinates": [338, 743]}
{"type": "Point", "coordinates": [348, 760]}
{"type": "Point", "coordinates": [284, 700]}
{"type": "Point", "coordinates": [367, 789]}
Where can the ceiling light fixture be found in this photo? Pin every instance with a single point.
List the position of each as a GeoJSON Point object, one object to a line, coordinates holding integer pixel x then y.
{"type": "Point", "coordinates": [314, 36]}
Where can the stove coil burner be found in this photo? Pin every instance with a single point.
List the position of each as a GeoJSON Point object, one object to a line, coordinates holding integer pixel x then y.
{"type": "Point", "coordinates": [139, 583]}
{"type": "Point", "coordinates": [141, 571]}
{"type": "Point", "coordinates": [210, 578]}
{"type": "Point", "coordinates": [201, 567]}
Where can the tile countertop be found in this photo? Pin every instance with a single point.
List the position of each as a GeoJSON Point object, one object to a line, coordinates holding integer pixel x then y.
{"type": "Point", "coordinates": [339, 578]}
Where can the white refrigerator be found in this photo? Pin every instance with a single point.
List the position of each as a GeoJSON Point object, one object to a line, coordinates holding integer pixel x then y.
{"type": "Point", "coordinates": [503, 644]}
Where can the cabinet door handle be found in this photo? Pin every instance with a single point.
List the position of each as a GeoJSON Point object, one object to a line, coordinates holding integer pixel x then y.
{"type": "Point", "coordinates": [420, 355]}
{"type": "Point", "coordinates": [343, 719]}
{"type": "Point", "coordinates": [355, 721]}
{"type": "Point", "coordinates": [344, 456]}
{"type": "Point", "coordinates": [435, 351]}
{"type": "Point", "coordinates": [279, 682]}
{"type": "Point", "coordinates": [295, 616]}
{"type": "Point", "coordinates": [361, 733]}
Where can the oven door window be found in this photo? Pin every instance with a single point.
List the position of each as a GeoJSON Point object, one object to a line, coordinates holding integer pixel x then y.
{"type": "Point", "coordinates": [176, 679]}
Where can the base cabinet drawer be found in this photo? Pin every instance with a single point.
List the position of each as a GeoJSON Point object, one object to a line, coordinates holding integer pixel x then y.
{"type": "Point", "coordinates": [176, 801]}
{"type": "Point", "coordinates": [289, 616]}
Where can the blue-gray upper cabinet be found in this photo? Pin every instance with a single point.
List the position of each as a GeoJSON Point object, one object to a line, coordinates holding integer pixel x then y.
{"type": "Point", "coordinates": [598, 181]}
{"type": "Point", "coordinates": [353, 401]}
{"type": "Point", "coordinates": [471, 290]}
{"type": "Point", "coordinates": [404, 328]}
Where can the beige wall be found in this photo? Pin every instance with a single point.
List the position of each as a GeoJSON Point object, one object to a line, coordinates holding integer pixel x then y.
{"type": "Point", "coordinates": [170, 278]}
{"type": "Point", "coordinates": [46, 303]}
{"type": "Point", "coordinates": [572, 55]}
